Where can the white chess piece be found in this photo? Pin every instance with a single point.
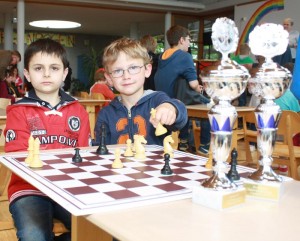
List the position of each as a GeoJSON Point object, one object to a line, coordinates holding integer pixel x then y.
{"type": "Point", "coordinates": [36, 161]}
{"type": "Point", "coordinates": [29, 158]}
{"type": "Point", "coordinates": [160, 129]}
{"type": "Point", "coordinates": [168, 149]}
{"type": "Point", "coordinates": [117, 162]}
{"type": "Point", "coordinates": [128, 152]}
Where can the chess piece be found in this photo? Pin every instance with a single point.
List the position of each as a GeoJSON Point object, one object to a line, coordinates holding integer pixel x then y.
{"type": "Point", "coordinates": [167, 145]}
{"type": "Point", "coordinates": [102, 149]}
{"type": "Point", "coordinates": [233, 175]}
{"type": "Point", "coordinates": [77, 158]}
{"type": "Point", "coordinates": [128, 152]}
{"type": "Point", "coordinates": [117, 162]}
{"type": "Point", "coordinates": [29, 158]}
{"type": "Point", "coordinates": [166, 169]}
{"type": "Point", "coordinates": [139, 147]}
{"type": "Point", "coordinates": [160, 129]}
{"type": "Point", "coordinates": [36, 161]}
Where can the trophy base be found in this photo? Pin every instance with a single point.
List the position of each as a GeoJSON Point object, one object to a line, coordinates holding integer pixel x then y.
{"type": "Point", "coordinates": [265, 174]}
{"type": "Point", "coordinates": [218, 200]}
{"type": "Point", "coordinates": [219, 181]}
{"type": "Point", "coordinates": [263, 189]}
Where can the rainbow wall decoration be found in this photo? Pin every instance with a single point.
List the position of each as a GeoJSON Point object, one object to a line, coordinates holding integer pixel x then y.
{"type": "Point", "coordinates": [263, 10]}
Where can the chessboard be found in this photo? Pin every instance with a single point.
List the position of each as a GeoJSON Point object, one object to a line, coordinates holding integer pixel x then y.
{"type": "Point", "coordinates": [93, 185]}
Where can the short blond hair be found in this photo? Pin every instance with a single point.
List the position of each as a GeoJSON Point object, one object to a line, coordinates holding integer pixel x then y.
{"type": "Point", "coordinates": [130, 47]}
{"type": "Point", "coordinates": [149, 43]}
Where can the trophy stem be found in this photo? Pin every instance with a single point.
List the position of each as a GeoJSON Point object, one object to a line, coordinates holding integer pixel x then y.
{"type": "Point", "coordinates": [222, 117]}
{"type": "Point", "coordinates": [267, 117]}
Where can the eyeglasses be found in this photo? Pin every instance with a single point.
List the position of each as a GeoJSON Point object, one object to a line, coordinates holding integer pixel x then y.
{"type": "Point", "coordinates": [131, 70]}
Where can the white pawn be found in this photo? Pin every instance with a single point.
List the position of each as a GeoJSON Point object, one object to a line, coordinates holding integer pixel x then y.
{"type": "Point", "coordinates": [36, 161]}
{"type": "Point", "coordinates": [117, 162]}
{"type": "Point", "coordinates": [29, 158]}
{"type": "Point", "coordinates": [168, 149]}
{"type": "Point", "coordinates": [128, 152]}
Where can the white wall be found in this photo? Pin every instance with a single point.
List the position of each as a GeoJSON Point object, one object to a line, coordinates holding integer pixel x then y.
{"type": "Point", "coordinates": [291, 10]}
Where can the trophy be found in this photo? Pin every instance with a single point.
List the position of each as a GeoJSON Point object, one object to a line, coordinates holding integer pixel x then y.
{"type": "Point", "coordinates": [269, 83]}
{"type": "Point", "coordinates": [224, 83]}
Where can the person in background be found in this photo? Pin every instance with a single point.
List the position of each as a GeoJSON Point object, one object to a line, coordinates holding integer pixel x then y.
{"type": "Point", "coordinates": [6, 86]}
{"type": "Point", "coordinates": [176, 64]}
{"type": "Point", "coordinates": [150, 44]}
{"type": "Point", "coordinates": [288, 24]}
{"type": "Point", "coordinates": [47, 113]}
{"type": "Point", "coordinates": [127, 64]}
{"type": "Point", "coordinates": [101, 86]}
{"type": "Point", "coordinates": [243, 58]}
{"type": "Point", "coordinates": [8, 59]}
{"type": "Point", "coordinates": [18, 83]}
{"type": "Point", "coordinates": [284, 58]}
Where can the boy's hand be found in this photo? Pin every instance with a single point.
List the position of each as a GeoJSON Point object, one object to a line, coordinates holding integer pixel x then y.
{"type": "Point", "coordinates": [165, 114]}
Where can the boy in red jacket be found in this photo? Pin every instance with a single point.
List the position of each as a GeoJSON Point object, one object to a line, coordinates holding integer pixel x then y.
{"type": "Point", "coordinates": [58, 121]}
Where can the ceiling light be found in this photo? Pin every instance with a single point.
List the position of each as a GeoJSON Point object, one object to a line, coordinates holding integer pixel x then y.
{"type": "Point", "coordinates": [57, 24]}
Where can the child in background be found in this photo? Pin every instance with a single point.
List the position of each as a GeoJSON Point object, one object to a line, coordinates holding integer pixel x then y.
{"type": "Point", "coordinates": [101, 86]}
{"type": "Point", "coordinates": [58, 121]}
{"type": "Point", "coordinates": [7, 89]}
{"type": "Point", "coordinates": [18, 81]}
{"type": "Point", "coordinates": [127, 64]}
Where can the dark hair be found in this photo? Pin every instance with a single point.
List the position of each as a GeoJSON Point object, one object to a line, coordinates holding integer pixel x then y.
{"type": "Point", "coordinates": [175, 33]}
{"type": "Point", "coordinates": [47, 46]}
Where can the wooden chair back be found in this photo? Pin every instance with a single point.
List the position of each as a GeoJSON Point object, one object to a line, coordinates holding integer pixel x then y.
{"type": "Point", "coordinates": [97, 96]}
{"type": "Point", "coordinates": [4, 102]}
{"type": "Point", "coordinates": [84, 95]}
{"type": "Point", "coordinates": [285, 153]}
{"type": "Point", "coordinates": [250, 136]}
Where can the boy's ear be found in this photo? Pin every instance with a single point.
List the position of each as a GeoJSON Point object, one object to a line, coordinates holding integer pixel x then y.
{"type": "Point", "coordinates": [148, 69]}
{"type": "Point", "coordinates": [66, 71]}
{"type": "Point", "coordinates": [109, 80]}
{"type": "Point", "coordinates": [26, 74]}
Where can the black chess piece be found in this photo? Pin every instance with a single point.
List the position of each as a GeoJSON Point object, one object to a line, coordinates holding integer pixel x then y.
{"type": "Point", "coordinates": [102, 149]}
{"type": "Point", "coordinates": [166, 169]}
{"type": "Point", "coordinates": [77, 158]}
{"type": "Point", "coordinates": [233, 175]}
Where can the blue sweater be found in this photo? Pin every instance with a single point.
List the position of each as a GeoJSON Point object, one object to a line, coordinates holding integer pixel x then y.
{"type": "Point", "coordinates": [122, 124]}
{"type": "Point", "coordinates": [179, 64]}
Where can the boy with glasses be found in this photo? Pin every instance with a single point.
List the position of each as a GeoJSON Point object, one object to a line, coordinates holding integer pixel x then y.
{"type": "Point", "coordinates": [127, 64]}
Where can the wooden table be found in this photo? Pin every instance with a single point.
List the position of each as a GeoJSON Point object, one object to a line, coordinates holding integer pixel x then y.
{"type": "Point", "coordinates": [186, 221]}
{"type": "Point", "coordinates": [201, 111]}
{"type": "Point", "coordinates": [90, 106]}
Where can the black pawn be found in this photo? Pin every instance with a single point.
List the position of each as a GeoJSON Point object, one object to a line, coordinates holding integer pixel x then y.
{"type": "Point", "coordinates": [77, 158]}
{"type": "Point", "coordinates": [233, 175]}
{"type": "Point", "coordinates": [166, 169]}
{"type": "Point", "coordinates": [102, 149]}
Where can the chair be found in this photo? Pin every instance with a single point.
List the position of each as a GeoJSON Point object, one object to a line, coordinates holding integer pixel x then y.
{"type": "Point", "coordinates": [84, 95]}
{"type": "Point", "coordinates": [285, 153]}
{"type": "Point", "coordinates": [249, 136]}
{"type": "Point", "coordinates": [4, 102]}
{"type": "Point", "coordinates": [97, 96]}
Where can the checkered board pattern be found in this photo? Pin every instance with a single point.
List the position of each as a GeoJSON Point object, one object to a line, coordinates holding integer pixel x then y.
{"type": "Point", "coordinates": [93, 185]}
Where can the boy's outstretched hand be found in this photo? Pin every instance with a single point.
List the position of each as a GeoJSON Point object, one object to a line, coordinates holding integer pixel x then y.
{"type": "Point", "coordinates": [165, 114]}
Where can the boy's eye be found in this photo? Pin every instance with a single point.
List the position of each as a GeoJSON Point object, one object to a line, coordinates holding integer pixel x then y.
{"type": "Point", "coordinates": [133, 68]}
{"type": "Point", "coordinates": [117, 72]}
{"type": "Point", "coordinates": [37, 68]}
